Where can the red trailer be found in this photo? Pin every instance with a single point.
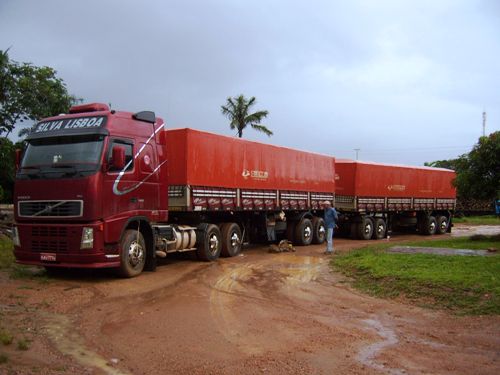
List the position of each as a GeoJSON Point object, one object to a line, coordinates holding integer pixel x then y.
{"type": "Point", "coordinates": [375, 197]}
{"type": "Point", "coordinates": [251, 188]}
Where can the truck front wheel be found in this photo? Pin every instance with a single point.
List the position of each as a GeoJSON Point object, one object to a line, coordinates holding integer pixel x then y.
{"type": "Point", "coordinates": [209, 240]}
{"type": "Point", "coordinates": [133, 253]}
{"type": "Point", "coordinates": [231, 239]}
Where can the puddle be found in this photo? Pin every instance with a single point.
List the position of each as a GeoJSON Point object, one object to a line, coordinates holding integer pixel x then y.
{"type": "Point", "coordinates": [487, 230]}
{"type": "Point", "coordinates": [439, 251]}
{"type": "Point", "coordinates": [64, 337]}
{"type": "Point", "coordinates": [368, 353]}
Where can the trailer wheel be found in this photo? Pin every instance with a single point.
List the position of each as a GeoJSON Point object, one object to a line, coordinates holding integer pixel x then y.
{"type": "Point", "coordinates": [442, 225]}
{"type": "Point", "coordinates": [379, 229]}
{"type": "Point", "coordinates": [429, 226]}
{"type": "Point", "coordinates": [365, 228]}
{"type": "Point", "coordinates": [304, 232]}
{"type": "Point", "coordinates": [231, 239]}
{"type": "Point", "coordinates": [319, 230]}
{"type": "Point", "coordinates": [133, 253]}
{"type": "Point", "coordinates": [209, 241]}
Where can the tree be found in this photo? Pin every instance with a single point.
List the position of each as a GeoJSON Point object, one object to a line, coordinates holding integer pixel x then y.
{"type": "Point", "coordinates": [478, 172]}
{"type": "Point", "coordinates": [237, 111]}
{"type": "Point", "coordinates": [28, 92]}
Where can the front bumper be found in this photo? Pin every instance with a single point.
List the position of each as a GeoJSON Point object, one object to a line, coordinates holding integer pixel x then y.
{"type": "Point", "coordinates": [58, 245]}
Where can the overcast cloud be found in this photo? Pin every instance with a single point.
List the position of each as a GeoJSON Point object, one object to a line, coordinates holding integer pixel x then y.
{"type": "Point", "coordinates": [403, 81]}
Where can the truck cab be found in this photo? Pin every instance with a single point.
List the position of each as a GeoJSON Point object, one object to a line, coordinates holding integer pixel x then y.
{"type": "Point", "coordinates": [86, 180]}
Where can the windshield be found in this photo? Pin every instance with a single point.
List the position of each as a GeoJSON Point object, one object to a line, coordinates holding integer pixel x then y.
{"type": "Point", "coordinates": [62, 156]}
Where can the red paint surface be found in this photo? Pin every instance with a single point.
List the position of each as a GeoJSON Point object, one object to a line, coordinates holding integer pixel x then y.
{"type": "Point", "coordinates": [364, 179]}
{"type": "Point", "coordinates": [206, 159]}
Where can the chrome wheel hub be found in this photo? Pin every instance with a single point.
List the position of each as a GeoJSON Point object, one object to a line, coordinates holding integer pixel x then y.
{"type": "Point", "coordinates": [235, 240]}
{"type": "Point", "coordinates": [135, 254]}
{"type": "Point", "coordinates": [213, 243]}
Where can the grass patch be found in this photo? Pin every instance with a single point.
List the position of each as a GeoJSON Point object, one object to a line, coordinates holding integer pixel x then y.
{"type": "Point", "coordinates": [6, 338]}
{"type": "Point", "coordinates": [23, 344]}
{"type": "Point", "coordinates": [462, 284]}
{"type": "Point", "coordinates": [3, 358]}
{"type": "Point", "coordinates": [6, 252]}
{"type": "Point", "coordinates": [478, 220]}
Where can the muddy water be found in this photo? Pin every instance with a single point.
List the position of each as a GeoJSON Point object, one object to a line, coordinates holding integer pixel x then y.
{"type": "Point", "coordinates": [463, 230]}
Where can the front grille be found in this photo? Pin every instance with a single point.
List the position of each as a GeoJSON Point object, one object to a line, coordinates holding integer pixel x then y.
{"type": "Point", "coordinates": [49, 239]}
{"type": "Point", "coordinates": [50, 208]}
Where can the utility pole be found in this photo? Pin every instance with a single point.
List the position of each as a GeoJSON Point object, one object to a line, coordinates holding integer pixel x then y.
{"type": "Point", "coordinates": [484, 123]}
{"type": "Point", "coordinates": [357, 150]}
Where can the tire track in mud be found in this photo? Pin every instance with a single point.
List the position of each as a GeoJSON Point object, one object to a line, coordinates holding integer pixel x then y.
{"type": "Point", "coordinates": [265, 286]}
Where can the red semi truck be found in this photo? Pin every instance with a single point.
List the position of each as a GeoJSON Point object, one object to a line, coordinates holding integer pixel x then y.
{"type": "Point", "coordinates": [374, 198]}
{"type": "Point", "coordinates": [101, 188]}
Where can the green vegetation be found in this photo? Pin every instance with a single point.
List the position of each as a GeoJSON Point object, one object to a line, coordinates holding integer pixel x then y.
{"type": "Point", "coordinates": [237, 111]}
{"type": "Point", "coordinates": [17, 271]}
{"type": "Point", "coordinates": [478, 172]}
{"type": "Point", "coordinates": [478, 220]}
{"type": "Point", "coordinates": [23, 344]}
{"type": "Point", "coordinates": [3, 358]}
{"type": "Point", "coordinates": [6, 255]}
{"type": "Point", "coordinates": [5, 337]}
{"type": "Point", "coordinates": [462, 284]}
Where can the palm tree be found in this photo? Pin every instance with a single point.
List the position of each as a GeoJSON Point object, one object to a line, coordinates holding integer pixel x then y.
{"type": "Point", "coordinates": [236, 110]}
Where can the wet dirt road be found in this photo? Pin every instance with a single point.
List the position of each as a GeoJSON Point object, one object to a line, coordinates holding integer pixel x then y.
{"type": "Point", "coordinates": [257, 313]}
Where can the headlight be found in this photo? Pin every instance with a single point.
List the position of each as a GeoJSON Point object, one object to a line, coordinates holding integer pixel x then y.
{"type": "Point", "coordinates": [15, 237]}
{"type": "Point", "coordinates": [87, 238]}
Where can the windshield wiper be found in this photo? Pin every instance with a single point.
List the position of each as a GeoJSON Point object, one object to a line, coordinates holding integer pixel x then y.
{"type": "Point", "coordinates": [71, 170]}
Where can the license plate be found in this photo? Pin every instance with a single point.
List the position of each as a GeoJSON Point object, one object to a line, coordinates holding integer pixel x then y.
{"type": "Point", "coordinates": [48, 257]}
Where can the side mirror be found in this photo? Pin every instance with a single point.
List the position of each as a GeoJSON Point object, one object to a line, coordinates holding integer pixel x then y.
{"type": "Point", "coordinates": [118, 155]}
{"type": "Point", "coordinates": [18, 158]}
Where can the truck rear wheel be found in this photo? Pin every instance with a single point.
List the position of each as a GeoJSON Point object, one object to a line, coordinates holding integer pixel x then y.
{"type": "Point", "coordinates": [365, 228]}
{"type": "Point", "coordinates": [442, 225]}
{"type": "Point", "coordinates": [304, 232]}
{"type": "Point", "coordinates": [133, 253]}
{"type": "Point", "coordinates": [319, 230]}
{"type": "Point", "coordinates": [379, 229]}
{"type": "Point", "coordinates": [209, 240]}
{"type": "Point", "coordinates": [231, 239]}
{"type": "Point", "coordinates": [429, 226]}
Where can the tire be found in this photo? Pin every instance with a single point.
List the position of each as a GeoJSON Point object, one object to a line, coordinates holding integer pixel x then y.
{"type": "Point", "coordinates": [290, 231]}
{"type": "Point", "coordinates": [379, 229]}
{"type": "Point", "coordinates": [429, 226]}
{"type": "Point", "coordinates": [365, 228]}
{"type": "Point", "coordinates": [132, 253]}
{"type": "Point", "coordinates": [442, 225]}
{"type": "Point", "coordinates": [231, 239]}
{"type": "Point", "coordinates": [209, 240]}
{"type": "Point", "coordinates": [304, 232]}
{"type": "Point", "coordinates": [319, 230]}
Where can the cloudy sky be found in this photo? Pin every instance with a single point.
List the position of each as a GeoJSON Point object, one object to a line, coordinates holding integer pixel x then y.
{"type": "Point", "coordinates": [403, 81]}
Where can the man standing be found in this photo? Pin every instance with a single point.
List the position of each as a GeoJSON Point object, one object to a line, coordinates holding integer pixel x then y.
{"type": "Point", "coordinates": [330, 218]}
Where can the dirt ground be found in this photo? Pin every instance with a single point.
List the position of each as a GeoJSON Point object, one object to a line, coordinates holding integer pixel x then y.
{"type": "Point", "coordinates": [256, 313]}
